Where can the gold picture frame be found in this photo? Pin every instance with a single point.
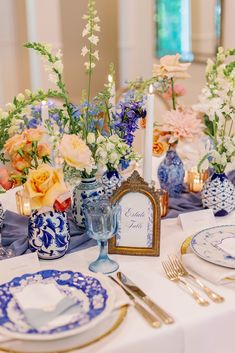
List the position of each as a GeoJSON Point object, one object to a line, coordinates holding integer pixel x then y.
{"type": "Point", "coordinates": [149, 217]}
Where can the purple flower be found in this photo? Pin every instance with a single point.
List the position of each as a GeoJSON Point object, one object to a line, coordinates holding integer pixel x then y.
{"type": "Point", "coordinates": [127, 117]}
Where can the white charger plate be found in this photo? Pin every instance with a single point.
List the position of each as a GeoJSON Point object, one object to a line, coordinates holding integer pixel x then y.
{"type": "Point", "coordinates": [205, 245]}
{"type": "Point", "coordinates": [93, 293]}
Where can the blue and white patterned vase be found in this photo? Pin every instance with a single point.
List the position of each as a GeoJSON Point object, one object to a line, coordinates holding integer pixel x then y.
{"type": "Point", "coordinates": [49, 234]}
{"type": "Point", "coordinates": [111, 180]}
{"type": "Point", "coordinates": [171, 173]}
{"type": "Point", "coordinates": [86, 189]}
{"type": "Point", "coordinates": [218, 193]}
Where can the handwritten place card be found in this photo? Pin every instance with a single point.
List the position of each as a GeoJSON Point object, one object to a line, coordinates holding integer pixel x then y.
{"type": "Point", "coordinates": [198, 220]}
{"type": "Point", "coordinates": [136, 221]}
{"type": "Point", "coordinates": [18, 265]}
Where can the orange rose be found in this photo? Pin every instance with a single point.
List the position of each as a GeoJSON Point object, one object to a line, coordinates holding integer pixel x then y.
{"type": "Point", "coordinates": [14, 143]}
{"type": "Point", "coordinates": [5, 181]}
{"type": "Point", "coordinates": [159, 148]}
{"type": "Point", "coordinates": [19, 163]}
{"type": "Point", "coordinates": [43, 150]}
{"type": "Point", "coordinates": [33, 134]}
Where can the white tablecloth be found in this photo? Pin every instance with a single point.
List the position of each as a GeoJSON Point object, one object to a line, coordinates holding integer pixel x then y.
{"type": "Point", "coordinates": [196, 329]}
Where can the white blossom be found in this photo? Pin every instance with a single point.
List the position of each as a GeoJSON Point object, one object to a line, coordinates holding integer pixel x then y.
{"type": "Point", "coordinates": [84, 51]}
{"type": "Point", "coordinates": [93, 39]}
{"type": "Point", "coordinates": [58, 66]}
{"type": "Point", "coordinates": [91, 138]}
{"type": "Point", "coordinates": [96, 54]}
{"type": "Point", "coordinates": [10, 107]}
{"type": "Point", "coordinates": [20, 97]}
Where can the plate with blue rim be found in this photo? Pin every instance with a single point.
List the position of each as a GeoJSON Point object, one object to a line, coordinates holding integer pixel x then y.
{"type": "Point", "coordinates": [92, 293]}
{"type": "Point", "coordinates": [206, 244]}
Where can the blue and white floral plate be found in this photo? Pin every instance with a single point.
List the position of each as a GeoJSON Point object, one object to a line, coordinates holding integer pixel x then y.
{"type": "Point", "coordinates": [92, 292]}
{"type": "Point", "coordinates": [206, 244]}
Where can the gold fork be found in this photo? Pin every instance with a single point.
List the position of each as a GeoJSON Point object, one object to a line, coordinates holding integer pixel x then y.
{"type": "Point", "coordinates": [173, 276]}
{"type": "Point", "coordinates": [181, 270]}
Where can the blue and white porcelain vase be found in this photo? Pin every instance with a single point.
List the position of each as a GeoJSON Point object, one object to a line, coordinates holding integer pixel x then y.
{"type": "Point", "coordinates": [171, 173]}
{"type": "Point", "coordinates": [111, 180]}
{"type": "Point", "coordinates": [86, 189]}
{"type": "Point", "coordinates": [49, 234]}
{"type": "Point", "coordinates": [218, 193]}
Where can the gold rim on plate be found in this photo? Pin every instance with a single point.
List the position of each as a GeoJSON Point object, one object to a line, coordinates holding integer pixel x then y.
{"type": "Point", "coordinates": [185, 245]}
{"type": "Point", "coordinates": [117, 323]}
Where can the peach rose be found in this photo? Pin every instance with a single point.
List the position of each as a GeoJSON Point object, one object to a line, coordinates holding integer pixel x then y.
{"type": "Point", "coordinates": [14, 143]}
{"type": "Point", "coordinates": [44, 185]}
{"type": "Point", "coordinates": [171, 67]}
{"type": "Point", "coordinates": [33, 134]}
{"type": "Point", "coordinates": [19, 163]}
{"type": "Point", "coordinates": [159, 148]}
{"type": "Point", "coordinates": [43, 150]}
{"type": "Point", "coordinates": [75, 152]}
{"type": "Point", "coordinates": [5, 181]}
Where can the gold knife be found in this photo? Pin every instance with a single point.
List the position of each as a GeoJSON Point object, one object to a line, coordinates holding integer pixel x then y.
{"type": "Point", "coordinates": [149, 317]}
{"type": "Point", "coordinates": [132, 287]}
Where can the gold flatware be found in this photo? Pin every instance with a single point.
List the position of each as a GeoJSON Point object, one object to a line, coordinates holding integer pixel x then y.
{"type": "Point", "coordinates": [173, 276]}
{"type": "Point", "coordinates": [162, 314]}
{"type": "Point", "coordinates": [149, 317]}
{"type": "Point", "coordinates": [182, 271]}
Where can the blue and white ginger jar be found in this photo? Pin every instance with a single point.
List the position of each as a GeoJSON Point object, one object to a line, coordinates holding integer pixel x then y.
{"type": "Point", "coordinates": [49, 234]}
{"type": "Point", "coordinates": [171, 173]}
{"type": "Point", "coordinates": [218, 193]}
{"type": "Point", "coordinates": [86, 189]}
{"type": "Point", "coordinates": [111, 180]}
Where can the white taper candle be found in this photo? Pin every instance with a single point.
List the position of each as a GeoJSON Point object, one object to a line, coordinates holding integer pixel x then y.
{"type": "Point", "coordinates": [148, 143]}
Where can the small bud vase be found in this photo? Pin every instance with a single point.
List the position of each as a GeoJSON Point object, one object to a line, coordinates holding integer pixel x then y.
{"type": "Point", "coordinates": [171, 173]}
{"type": "Point", "coordinates": [88, 188]}
{"type": "Point", "coordinates": [111, 180]}
{"type": "Point", "coordinates": [49, 234]}
{"type": "Point", "coordinates": [218, 193]}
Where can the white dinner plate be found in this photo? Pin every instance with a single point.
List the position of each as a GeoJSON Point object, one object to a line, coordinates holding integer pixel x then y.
{"type": "Point", "coordinates": [93, 293]}
{"type": "Point", "coordinates": [86, 338]}
{"type": "Point", "coordinates": [206, 244]}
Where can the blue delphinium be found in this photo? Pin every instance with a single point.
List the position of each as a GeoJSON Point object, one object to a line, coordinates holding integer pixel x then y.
{"type": "Point", "coordinates": [127, 117]}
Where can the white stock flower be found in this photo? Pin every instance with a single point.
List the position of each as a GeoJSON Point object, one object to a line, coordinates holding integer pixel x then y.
{"type": "Point", "coordinates": [93, 39]}
{"type": "Point", "coordinates": [4, 115]}
{"type": "Point", "coordinates": [27, 92]}
{"type": "Point", "coordinates": [114, 157]}
{"type": "Point", "coordinates": [84, 51]}
{"type": "Point", "coordinates": [100, 139]}
{"type": "Point", "coordinates": [85, 32]}
{"type": "Point", "coordinates": [96, 28]}
{"type": "Point", "coordinates": [58, 66]}
{"type": "Point", "coordinates": [96, 19]}
{"type": "Point", "coordinates": [114, 138]}
{"type": "Point", "coordinates": [10, 107]}
{"type": "Point", "coordinates": [96, 54]}
{"type": "Point", "coordinates": [20, 97]}
{"type": "Point", "coordinates": [91, 138]}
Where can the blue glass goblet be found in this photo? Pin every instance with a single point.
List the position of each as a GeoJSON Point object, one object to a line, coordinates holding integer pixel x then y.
{"type": "Point", "coordinates": [101, 225]}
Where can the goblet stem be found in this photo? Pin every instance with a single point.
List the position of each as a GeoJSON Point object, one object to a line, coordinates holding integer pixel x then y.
{"type": "Point", "coordinates": [103, 255]}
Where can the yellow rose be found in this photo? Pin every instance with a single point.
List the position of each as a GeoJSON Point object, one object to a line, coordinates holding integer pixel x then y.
{"type": "Point", "coordinates": [171, 67]}
{"type": "Point", "coordinates": [44, 185]}
{"type": "Point", "coordinates": [75, 152]}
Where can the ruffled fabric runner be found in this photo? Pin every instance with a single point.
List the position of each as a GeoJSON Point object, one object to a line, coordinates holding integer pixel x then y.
{"type": "Point", "coordinates": [15, 229]}
{"type": "Point", "coordinates": [15, 234]}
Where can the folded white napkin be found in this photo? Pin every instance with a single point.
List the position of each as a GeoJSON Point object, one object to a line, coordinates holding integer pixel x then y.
{"type": "Point", "coordinates": [45, 304]}
{"type": "Point", "coordinates": [213, 273]}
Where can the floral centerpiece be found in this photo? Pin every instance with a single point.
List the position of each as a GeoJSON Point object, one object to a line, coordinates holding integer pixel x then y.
{"type": "Point", "coordinates": [217, 104]}
{"type": "Point", "coordinates": [86, 138]}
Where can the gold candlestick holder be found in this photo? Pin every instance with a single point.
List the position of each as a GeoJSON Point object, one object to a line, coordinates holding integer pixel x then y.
{"type": "Point", "coordinates": [23, 203]}
{"type": "Point", "coordinates": [163, 197]}
{"type": "Point", "coordinates": [196, 180]}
